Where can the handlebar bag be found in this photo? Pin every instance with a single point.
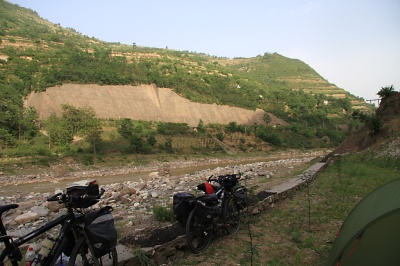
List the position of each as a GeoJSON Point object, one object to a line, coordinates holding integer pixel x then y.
{"type": "Point", "coordinates": [100, 228]}
{"type": "Point", "coordinates": [228, 181]}
{"type": "Point", "coordinates": [182, 206]}
{"type": "Point", "coordinates": [78, 190]}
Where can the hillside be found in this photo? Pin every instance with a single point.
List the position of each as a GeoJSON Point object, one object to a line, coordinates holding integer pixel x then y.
{"type": "Point", "coordinates": [29, 41]}
{"type": "Point", "coordinates": [386, 143]}
{"type": "Point", "coordinates": [273, 68]}
{"type": "Point", "coordinates": [44, 65]}
{"type": "Point", "coordinates": [144, 102]}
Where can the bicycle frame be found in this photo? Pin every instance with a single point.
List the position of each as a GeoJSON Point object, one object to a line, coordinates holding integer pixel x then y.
{"type": "Point", "coordinates": [12, 246]}
{"type": "Point", "coordinates": [70, 222]}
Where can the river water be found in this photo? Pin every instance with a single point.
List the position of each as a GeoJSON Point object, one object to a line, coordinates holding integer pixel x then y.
{"type": "Point", "coordinates": [42, 187]}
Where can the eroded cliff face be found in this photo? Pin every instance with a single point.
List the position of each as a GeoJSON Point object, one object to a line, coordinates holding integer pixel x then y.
{"type": "Point", "coordinates": [145, 102]}
{"type": "Point", "coordinates": [385, 143]}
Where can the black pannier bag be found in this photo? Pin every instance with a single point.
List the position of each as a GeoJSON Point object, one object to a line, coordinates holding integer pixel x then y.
{"type": "Point", "coordinates": [207, 208]}
{"type": "Point", "coordinates": [78, 190]}
{"type": "Point", "coordinates": [101, 230]}
{"type": "Point", "coordinates": [182, 206]}
{"type": "Point", "coordinates": [240, 195]}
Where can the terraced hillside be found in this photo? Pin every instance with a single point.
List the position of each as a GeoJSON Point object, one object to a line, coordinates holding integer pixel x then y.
{"type": "Point", "coordinates": [273, 68]}
{"type": "Point", "coordinates": [40, 61]}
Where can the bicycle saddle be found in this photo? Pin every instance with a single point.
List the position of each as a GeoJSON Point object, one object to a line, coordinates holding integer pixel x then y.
{"type": "Point", "coordinates": [4, 208]}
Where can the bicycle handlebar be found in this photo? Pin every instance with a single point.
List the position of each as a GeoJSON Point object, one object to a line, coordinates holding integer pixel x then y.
{"type": "Point", "coordinates": [217, 179]}
{"type": "Point", "coordinates": [64, 198]}
{"type": "Point", "coordinates": [54, 197]}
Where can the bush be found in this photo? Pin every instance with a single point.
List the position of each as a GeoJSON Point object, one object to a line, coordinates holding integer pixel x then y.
{"type": "Point", "coordinates": [172, 128]}
{"type": "Point", "coordinates": [163, 214]}
{"type": "Point", "coordinates": [88, 160]}
{"type": "Point", "coordinates": [374, 124]}
{"type": "Point", "coordinates": [267, 135]}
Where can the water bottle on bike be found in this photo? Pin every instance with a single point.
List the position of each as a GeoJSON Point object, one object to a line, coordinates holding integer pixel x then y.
{"type": "Point", "coordinates": [47, 245]}
{"type": "Point", "coordinates": [29, 256]}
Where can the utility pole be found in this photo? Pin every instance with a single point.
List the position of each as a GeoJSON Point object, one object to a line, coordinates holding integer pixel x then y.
{"type": "Point", "coordinates": [374, 100]}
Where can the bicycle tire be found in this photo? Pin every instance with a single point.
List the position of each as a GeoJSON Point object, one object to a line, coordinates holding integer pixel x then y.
{"type": "Point", "coordinates": [230, 216]}
{"type": "Point", "coordinates": [81, 256]}
{"type": "Point", "coordinates": [198, 236]}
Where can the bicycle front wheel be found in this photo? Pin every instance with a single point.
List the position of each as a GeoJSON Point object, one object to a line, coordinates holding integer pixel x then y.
{"type": "Point", "coordinates": [198, 236]}
{"type": "Point", "coordinates": [81, 256]}
{"type": "Point", "coordinates": [231, 216]}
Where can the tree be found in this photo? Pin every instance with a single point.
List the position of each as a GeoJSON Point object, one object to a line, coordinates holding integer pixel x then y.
{"type": "Point", "coordinates": [168, 145]}
{"type": "Point", "coordinates": [267, 135]}
{"type": "Point", "coordinates": [267, 118]}
{"type": "Point", "coordinates": [200, 126]}
{"type": "Point", "coordinates": [6, 138]}
{"type": "Point", "coordinates": [151, 140]}
{"type": "Point", "coordinates": [93, 131]}
{"type": "Point", "coordinates": [220, 136]}
{"type": "Point", "coordinates": [78, 118]}
{"type": "Point", "coordinates": [58, 130]}
{"type": "Point", "coordinates": [374, 124]}
{"type": "Point", "coordinates": [125, 128]}
{"type": "Point", "coordinates": [231, 127]}
{"type": "Point", "coordinates": [27, 124]}
{"type": "Point", "coordinates": [386, 91]}
{"type": "Point", "coordinates": [138, 145]}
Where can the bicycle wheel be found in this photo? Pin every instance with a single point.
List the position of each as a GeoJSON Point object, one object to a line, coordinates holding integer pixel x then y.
{"type": "Point", "coordinates": [198, 236]}
{"type": "Point", "coordinates": [231, 216]}
{"type": "Point", "coordinates": [81, 256]}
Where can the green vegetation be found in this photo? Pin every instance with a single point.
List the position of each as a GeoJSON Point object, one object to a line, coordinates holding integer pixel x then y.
{"type": "Point", "coordinates": [141, 257]}
{"type": "Point", "coordinates": [371, 121]}
{"type": "Point", "coordinates": [386, 91]}
{"type": "Point", "coordinates": [163, 214]}
{"type": "Point", "coordinates": [300, 230]}
{"type": "Point", "coordinates": [36, 54]}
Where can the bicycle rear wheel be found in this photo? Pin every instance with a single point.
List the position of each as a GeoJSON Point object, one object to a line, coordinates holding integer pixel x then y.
{"type": "Point", "coordinates": [81, 256]}
{"type": "Point", "coordinates": [231, 216]}
{"type": "Point", "coordinates": [198, 236]}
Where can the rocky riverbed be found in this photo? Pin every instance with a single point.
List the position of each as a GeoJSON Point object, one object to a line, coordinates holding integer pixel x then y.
{"type": "Point", "coordinates": [133, 201]}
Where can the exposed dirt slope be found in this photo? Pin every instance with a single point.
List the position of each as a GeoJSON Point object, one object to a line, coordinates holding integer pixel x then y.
{"type": "Point", "coordinates": [384, 143]}
{"type": "Point", "coordinates": [145, 102]}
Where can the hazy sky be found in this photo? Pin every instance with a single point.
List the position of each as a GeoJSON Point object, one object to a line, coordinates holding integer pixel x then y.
{"type": "Point", "coordinates": [354, 44]}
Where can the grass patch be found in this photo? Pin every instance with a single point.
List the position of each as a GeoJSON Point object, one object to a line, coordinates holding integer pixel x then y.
{"type": "Point", "coordinates": [141, 257]}
{"type": "Point", "coordinates": [301, 229]}
{"type": "Point", "coordinates": [163, 214]}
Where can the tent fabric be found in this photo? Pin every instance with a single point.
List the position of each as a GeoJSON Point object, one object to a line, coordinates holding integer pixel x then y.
{"type": "Point", "coordinates": [370, 235]}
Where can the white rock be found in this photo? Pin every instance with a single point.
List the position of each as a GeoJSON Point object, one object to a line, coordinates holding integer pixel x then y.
{"type": "Point", "coordinates": [40, 210]}
{"type": "Point", "coordinates": [26, 217]}
{"type": "Point", "coordinates": [153, 174]}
